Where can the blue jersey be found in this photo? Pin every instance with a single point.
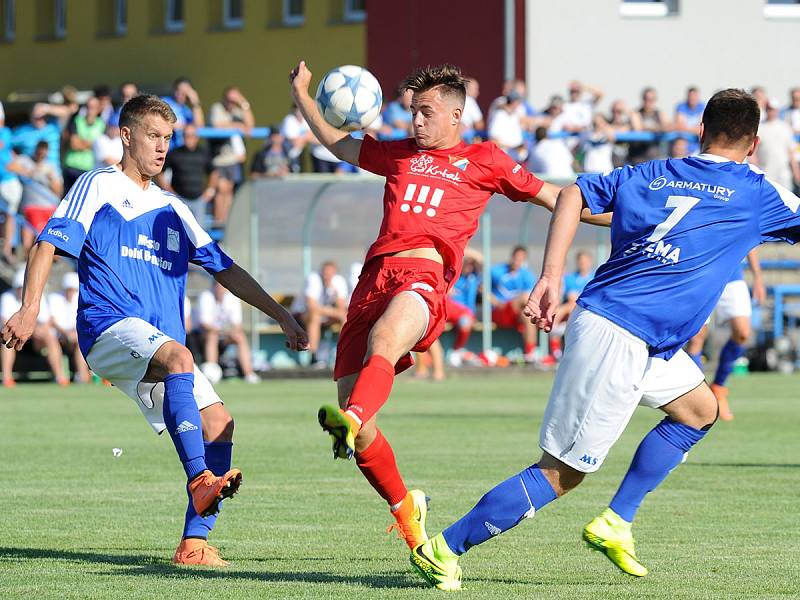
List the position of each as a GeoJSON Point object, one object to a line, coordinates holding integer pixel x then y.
{"type": "Point", "coordinates": [133, 248]}
{"type": "Point", "coordinates": [507, 284]}
{"type": "Point", "coordinates": [465, 290]}
{"type": "Point", "coordinates": [679, 231]}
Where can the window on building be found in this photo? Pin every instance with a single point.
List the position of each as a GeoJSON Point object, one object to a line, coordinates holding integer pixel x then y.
{"type": "Point", "coordinates": [782, 9]}
{"type": "Point", "coordinates": [233, 14]}
{"type": "Point", "coordinates": [293, 12]}
{"type": "Point", "coordinates": [648, 8]}
{"type": "Point", "coordinates": [9, 26]}
{"type": "Point", "coordinates": [355, 11]}
{"type": "Point", "coordinates": [173, 15]}
{"type": "Point", "coordinates": [120, 17]}
{"type": "Point", "coordinates": [60, 19]}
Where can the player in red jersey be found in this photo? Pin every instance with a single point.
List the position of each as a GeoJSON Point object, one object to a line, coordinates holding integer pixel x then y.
{"type": "Point", "coordinates": [436, 189]}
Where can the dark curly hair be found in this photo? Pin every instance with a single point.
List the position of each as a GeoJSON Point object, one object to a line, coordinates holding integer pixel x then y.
{"type": "Point", "coordinates": [446, 77]}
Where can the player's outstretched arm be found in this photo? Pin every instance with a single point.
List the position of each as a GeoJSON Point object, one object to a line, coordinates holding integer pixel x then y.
{"type": "Point", "coordinates": [242, 285]}
{"type": "Point", "coordinates": [759, 291]}
{"type": "Point", "coordinates": [547, 198]}
{"type": "Point", "coordinates": [546, 295]}
{"type": "Point", "coordinates": [340, 143]}
{"type": "Point", "coordinates": [19, 328]}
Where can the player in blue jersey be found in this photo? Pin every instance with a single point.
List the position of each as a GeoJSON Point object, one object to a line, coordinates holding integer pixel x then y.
{"type": "Point", "coordinates": [734, 309]}
{"type": "Point", "coordinates": [679, 229]}
{"type": "Point", "coordinates": [133, 243]}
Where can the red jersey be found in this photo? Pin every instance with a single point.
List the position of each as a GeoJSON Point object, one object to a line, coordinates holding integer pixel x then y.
{"type": "Point", "coordinates": [434, 198]}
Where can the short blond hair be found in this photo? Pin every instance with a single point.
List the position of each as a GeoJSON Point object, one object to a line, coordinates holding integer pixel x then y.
{"type": "Point", "coordinates": [145, 104]}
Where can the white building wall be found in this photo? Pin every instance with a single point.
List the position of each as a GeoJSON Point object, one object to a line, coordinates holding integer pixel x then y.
{"type": "Point", "coordinates": [709, 43]}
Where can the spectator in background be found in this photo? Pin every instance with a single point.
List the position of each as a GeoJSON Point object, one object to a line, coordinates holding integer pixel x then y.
{"type": "Point", "coordinates": [42, 338]}
{"type": "Point", "coordinates": [323, 303]}
{"type": "Point", "coordinates": [103, 94]}
{"type": "Point", "coordinates": [398, 115]}
{"type": "Point", "coordinates": [42, 189]}
{"type": "Point", "coordinates": [622, 120]}
{"type": "Point", "coordinates": [776, 152]}
{"type": "Point", "coordinates": [25, 137]}
{"type": "Point", "coordinates": [219, 316]}
{"type": "Point", "coordinates": [108, 146]}
{"type": "Point", "coordinates": [579, 109]}
{"type": "Point", "coordinates": [760, 94]}
{"type": "Point", "coordinates": [551, 156]}
{"type": "Point", "coordinates": [526, 112]}
{"type": "Point", "coordinates": [192, 174]}
{"type": "Point", "coordinates": [82, 133]}
{"type": "Point", "coordinates": [472, 123]}
{"type": "Point", "coordinates": [10, 191]}
{"type": "Point", "coordinates": [505, 127]}
{"type": "Point", "coordinates": [233, 112]}
{"type": "Point", "coordinates": [461, 306]}
{"type": "Point", "coordinates": [653, 120]}
{"type": "Point", "coordinates": [550, 114]}
{"type": "Point", "coordinates": [792, 112]}
{"type": "Point", "coordinates": [64, 310]}
{"type": "Point", "coordinates": [574, 283]}
{"type": "Point", "coordinates": [127, 91]}
{"type": "Point", "coordinates": [512, 283]}
{"type": "Point", "coordinates": [688, 115]}
{"type": "Point", "coordinates": [185, 103]}
{"type": "Point", "coordinates": [271, 160]}
{"type": "Point", "coordinates": [430, 363]}
{"type": "Point", "coordinates": [297, 134]}
{"type": "Point", "coordinates": [679, 148]}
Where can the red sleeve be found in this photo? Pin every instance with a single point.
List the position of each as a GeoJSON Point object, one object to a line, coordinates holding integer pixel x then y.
{"type": "Point", "coordinates": [373, 155]}
{"type": "Point", "coordinates": [512, 179]}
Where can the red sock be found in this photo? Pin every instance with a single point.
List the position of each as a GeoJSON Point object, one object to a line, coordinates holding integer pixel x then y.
{"type": "Point", "coordinates": [462, 335]}
{"type": "Point", "coordinates": [530, 347]}
{"type": "Point", "coordinates": [378, 465]}
{"type": "Point", "coordinates": [372, 388]}
{"type": "Point", "coordinates": [555, 345]}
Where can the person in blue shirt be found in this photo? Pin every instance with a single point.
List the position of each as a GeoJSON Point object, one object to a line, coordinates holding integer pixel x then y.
{"type": "Point", "coordinates": [688, 115]}
{"type": "Point", "coordinates": [573, 286]}
{"type": "Point", "coordinates": [185, 103]}
{"type": "Point", "coordinates": [461, 307]}
{"type": "Point", "coordinates": [10, 190]}
{"type": "Point", "coordinates": [734, 309]}
{"type": "Point", "coordinates": [397, 116]}
{"type": "Point", "coordinates": [133, 243]}
{"type": "Point", "coordinates": [512, 281]}
{"type": "Point", "coordinates": [26, 136]}
{"type": "Point", "coordinates": [679, 230]}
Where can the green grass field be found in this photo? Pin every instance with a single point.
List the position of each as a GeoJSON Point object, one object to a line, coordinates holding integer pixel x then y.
{"type": "Point", "coordinates": [79, 523]}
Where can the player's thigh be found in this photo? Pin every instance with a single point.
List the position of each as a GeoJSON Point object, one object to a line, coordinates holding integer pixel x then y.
{"type": "Point", "coordinates": [677, 386]}
{"type": "Point", "coordinates": [171, 357]}
{"type": "Point", "coordinates": [740, 329]}
{"type": "Point", "coordinates": [734, 302]}
{"type": "Point", "coordinates": [595, 392]}
{"type": "Point", "coordinates": [400, 327]}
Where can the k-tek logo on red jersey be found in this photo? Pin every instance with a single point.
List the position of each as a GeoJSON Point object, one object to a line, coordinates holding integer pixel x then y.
{"type": "Point", "coordinates": [422, 164]}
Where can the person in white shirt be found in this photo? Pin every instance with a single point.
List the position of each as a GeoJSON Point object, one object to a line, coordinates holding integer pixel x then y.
{"type": "Point", "coordinates": [108, 147]}
{"type": "Point", "coordinates": [322, 304]}
{"type": "Point", "coordinates": [505, 127]}
{"type": "Point", "coordinates": [472, 117]}
{"type": "Point", "coordinates": [64, 311]}
{"type": "Point", "coordinates": [775, 154]}
{"type": "Point", "coordinates": [551, 157]}
{"type": "Point", "coordinates": [43, 335]}
{"type": "Point", "coordinates": [219, 317]}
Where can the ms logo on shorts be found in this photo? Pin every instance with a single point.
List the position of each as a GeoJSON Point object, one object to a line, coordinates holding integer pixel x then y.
{"type": "Point", "coordinates": [155, 336]}
{"type": "Point", "coordinates": [589, 460]}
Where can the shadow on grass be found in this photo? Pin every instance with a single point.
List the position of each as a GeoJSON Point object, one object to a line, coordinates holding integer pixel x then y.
{"type": "Point", "coordinates": [742, 464]}
{"type": "Point", "coordinates": [148, 565]}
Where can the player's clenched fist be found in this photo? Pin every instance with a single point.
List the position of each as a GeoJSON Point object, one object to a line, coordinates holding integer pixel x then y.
{"type": "Point", "coordinates": [296, 336]}
{"type": "Point", "coordinates": [300, 77]}
{"type": "Point", "coordinates": [542, 303]}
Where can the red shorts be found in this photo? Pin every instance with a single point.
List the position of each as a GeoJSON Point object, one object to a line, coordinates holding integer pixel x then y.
{"type": "Point", "coordinates": [381, 279]}
{"type": "Point", "coordinates": [506, 316]}
{"type": "Point", "coordinates": [456, 311]}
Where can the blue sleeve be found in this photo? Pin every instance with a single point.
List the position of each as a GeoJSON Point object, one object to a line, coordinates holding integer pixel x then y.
{"type": "Point", "coordinates": [496, 274]}
{"type": "Point", "coordinates": [210, 257]}
{"type": "Point", "coordinates": [599, 190]}
{"type": "Point", "coordinates": [779, 218]}
{"type": "Point", "coordinates": [529, 279]}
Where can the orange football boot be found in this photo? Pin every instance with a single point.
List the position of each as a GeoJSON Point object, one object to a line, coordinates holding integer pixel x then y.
{"type": "Point", "coordinates": [410, 518]}
{"type": "Point", "coordinates": [208, 490]}
{"type": "Point", "coordinates": [196, 551]}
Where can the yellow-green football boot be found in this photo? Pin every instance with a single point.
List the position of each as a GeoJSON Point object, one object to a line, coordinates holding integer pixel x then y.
{"type": "Point", "coordinates": [437, 564]}
{"type": "Point", "coordinates": [611, 534]}
{"type": "Point", "coordinates": [342, 428]}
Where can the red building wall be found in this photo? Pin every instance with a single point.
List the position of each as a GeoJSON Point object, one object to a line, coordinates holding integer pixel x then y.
{"type": "Point", "coordinates": [468, 33]}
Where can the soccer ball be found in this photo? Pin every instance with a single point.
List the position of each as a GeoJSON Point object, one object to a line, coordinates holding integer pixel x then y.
{"type": "Point", "coordinates": [212, 371]}
{"type": "Point", "coordinates": [349, 97]}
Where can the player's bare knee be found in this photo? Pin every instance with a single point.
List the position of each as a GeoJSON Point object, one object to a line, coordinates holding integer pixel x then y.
{"type": "Point", "coordinates": [740, 337]}
{"type": "Point", "coordinates": [179, 360]}
{"type": "Point", "coordinates": [561, 476]}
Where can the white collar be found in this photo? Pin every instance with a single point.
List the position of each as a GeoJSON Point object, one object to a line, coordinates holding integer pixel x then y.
{"type": "Point", "coordinates": [715, 158]}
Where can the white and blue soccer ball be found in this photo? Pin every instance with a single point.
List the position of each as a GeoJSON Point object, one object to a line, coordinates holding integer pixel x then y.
{"type": "Point", "coordinates": [349, 97]}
